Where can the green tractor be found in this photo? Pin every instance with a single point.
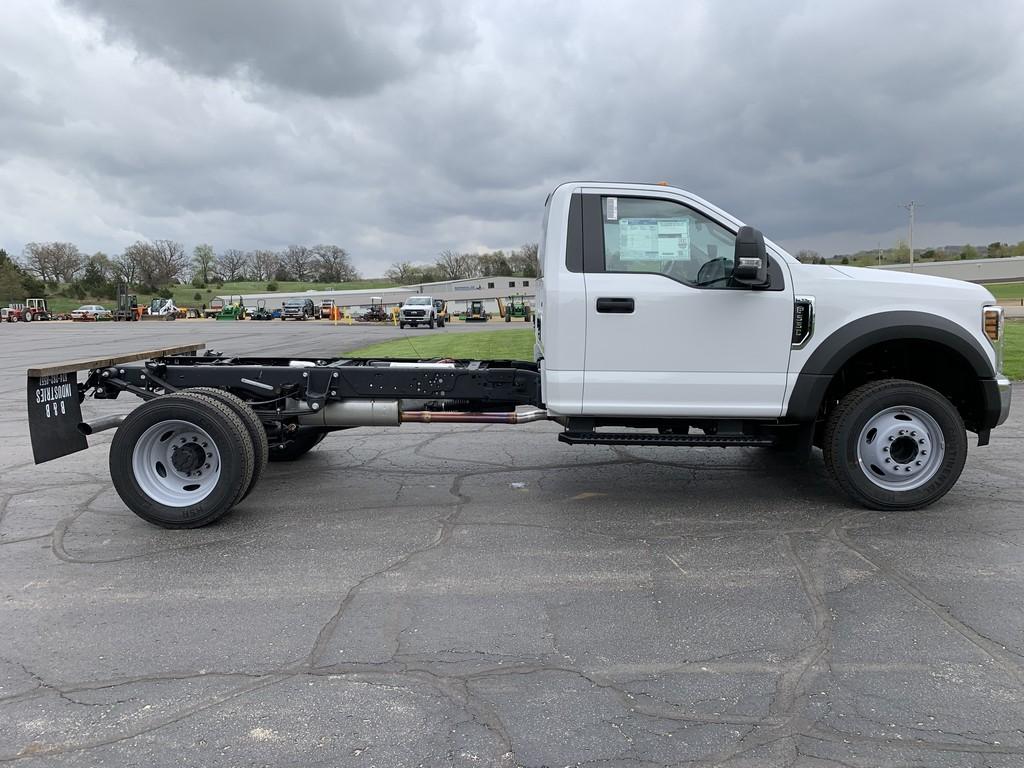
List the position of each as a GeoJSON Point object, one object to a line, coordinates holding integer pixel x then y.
{"type": "Point", "coordinates": [233, 309]}
{"type": "Point", "coordinates": [515, 306]}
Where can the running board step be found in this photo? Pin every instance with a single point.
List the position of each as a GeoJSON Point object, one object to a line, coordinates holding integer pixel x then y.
{"type": "Point", "coordinates": [646, 438]}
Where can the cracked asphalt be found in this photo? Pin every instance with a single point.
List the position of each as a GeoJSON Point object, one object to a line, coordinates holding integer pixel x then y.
{"type": "Point", "coordinates": [438, 595]}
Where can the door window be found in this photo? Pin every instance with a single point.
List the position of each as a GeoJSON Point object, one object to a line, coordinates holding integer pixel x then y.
{"type": "Point", "coordinates": [666, 238]}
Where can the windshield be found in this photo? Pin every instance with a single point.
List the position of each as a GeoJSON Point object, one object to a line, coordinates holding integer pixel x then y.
{"type": "Point", "coordinates": [418, 301]}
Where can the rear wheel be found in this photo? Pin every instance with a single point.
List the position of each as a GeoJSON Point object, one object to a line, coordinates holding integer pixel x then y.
{"type": "Point", "coordinates": [181, 461]}
{"type": "Point", "coordinates": [26, 316]}
{"type": "Point", "coordinates": [296, 447]}
{"type": "Point", "coordinates": [253, 426]}
{"type": "Point", "coordinates": [895, 445]}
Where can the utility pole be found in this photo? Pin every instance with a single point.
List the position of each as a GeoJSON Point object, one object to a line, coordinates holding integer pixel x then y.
{"type": "Point", "coordinates": [911, 206]}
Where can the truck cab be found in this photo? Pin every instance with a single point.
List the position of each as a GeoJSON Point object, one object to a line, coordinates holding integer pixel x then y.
{"type": "Point", "coordinates": [658, 308]}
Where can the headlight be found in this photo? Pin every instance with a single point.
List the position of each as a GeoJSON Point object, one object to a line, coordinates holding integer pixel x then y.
{"type": "Point", "coordinates": [994, 327]}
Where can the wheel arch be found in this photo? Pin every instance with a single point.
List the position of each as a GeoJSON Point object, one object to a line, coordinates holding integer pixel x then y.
{"type": "Point", "coordinates": [917, 346]}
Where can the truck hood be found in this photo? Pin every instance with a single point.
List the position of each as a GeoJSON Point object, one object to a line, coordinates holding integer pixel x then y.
{"type": "Point", "coordinates": [914, 282]}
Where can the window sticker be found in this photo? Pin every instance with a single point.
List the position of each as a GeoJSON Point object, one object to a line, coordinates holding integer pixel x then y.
{"type": "Point", "coordinates": [612, 208]}
{"type": "Point", "coordinates": [654, 239]}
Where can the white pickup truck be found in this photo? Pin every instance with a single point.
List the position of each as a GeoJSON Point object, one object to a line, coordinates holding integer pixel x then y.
{"type": "Point", "coordinates": [661, 320]}
{"type": "Point", "coordinates": [418, 310]}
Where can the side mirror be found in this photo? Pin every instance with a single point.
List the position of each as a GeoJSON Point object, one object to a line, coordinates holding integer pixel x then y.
{"type": "Point", "coordinates": [750, 262]}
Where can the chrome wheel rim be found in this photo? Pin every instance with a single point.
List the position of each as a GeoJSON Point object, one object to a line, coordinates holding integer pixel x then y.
{"type": "Point", "coordinates": [176, 463]}
{"type": "Point", "coordinates": [900, 448]}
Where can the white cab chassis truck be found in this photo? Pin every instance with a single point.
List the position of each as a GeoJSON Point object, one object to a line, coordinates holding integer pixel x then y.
{"type": "Point", "coordinates": [661, 320]}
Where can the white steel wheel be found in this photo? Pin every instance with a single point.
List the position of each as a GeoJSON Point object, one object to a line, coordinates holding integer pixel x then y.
{"type": "Point", "coordinates": [176, 463]}
{"type": "Point", "coordinates": [900, 448]}
{"type": "Point", "coordinates": [181, 460]}
{"type": "Point", "coordinates": [894, 444]}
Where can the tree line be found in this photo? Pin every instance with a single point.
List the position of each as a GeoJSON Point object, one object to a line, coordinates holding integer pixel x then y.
{"type": "Point", "coordinates": [154, 265]}
{"type": "Point", "coordinates": [452, 265]}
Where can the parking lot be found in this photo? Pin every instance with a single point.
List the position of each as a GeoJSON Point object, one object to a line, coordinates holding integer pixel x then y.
{"type": "Point", "coordinates": [451, 595]}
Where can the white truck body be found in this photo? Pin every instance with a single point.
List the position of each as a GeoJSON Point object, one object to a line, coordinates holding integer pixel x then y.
{"type": "Point", "coordinates": [689, 351]}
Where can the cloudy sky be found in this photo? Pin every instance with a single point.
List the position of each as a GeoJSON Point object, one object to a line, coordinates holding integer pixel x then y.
{"type": "Point", "coordinates": [400, 129]}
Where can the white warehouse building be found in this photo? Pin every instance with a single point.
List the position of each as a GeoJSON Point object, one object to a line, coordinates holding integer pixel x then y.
{"type": "Point", "coordinates": [458, 293]}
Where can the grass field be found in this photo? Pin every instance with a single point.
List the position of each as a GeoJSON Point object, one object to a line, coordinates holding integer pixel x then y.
{"type": "Point", "coordinates": [1006, 290]}
{"type": "Point", "coordinates": [485, 345]}
{"type": "Point", "coordinates": [184, 295]}
{"type": "Point", "coordinates": [1013, 363]}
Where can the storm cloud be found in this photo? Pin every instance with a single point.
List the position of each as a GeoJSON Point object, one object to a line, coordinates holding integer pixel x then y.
{"type": "Point", "coordinates": [398, 130]}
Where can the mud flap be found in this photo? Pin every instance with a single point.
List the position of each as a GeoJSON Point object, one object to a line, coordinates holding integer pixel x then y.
{"type": "Point", "coordinates": [54, 413]}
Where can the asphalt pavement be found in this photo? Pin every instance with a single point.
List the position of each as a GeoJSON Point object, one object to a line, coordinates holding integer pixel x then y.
{"type": "Point", "coordinates": [449, 595]}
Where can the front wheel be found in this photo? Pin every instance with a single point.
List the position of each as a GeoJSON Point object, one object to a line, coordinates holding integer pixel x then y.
{"type": "Point", "coordinates": [895, 445]}
{"type": "Point", "coordinates": [27, 317]}
{"type": "Point", "coordinates": [431, 323]}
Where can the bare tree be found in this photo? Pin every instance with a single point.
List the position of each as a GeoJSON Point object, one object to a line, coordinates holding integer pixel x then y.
{"type": "Point", "coordinates": [54, 262]}
{"type": "Point", "coordinates": [298, 262]}
{"type": "Point", "coordinates": [456, 266]}
{"type": "Point", "coordinates": [263, 264]}
{"type": "Point", "coordinates": [160, 262]}
{"type": "Point", "coordinates": [231, 264]}
{"type": "Point", "coordinates": [202, 261]}
{"type": "Point", "coordinates": [401, 272]}
{"type": "Point", "coordinates": [333, 264]}
{"type": "Point", "coordinates": [125, 266]}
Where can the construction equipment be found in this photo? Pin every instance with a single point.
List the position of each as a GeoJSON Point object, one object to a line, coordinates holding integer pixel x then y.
{"type": "Point", "coordinates": [262, 313]}
{"type": "Point", "coordinates": [441, 312]}
{"type": "Point", "coordinates": [127, 304]}
{"type": "Point", "coordinates": [161, 309]}
{"type": "Point", "coordinates": [234, 309]}
{"type": "Point", "coordinates": [377, 313]}
{"type": "Point", "coordinates": [475, 313]}
{"type": "Point", "coordinates": [514, 306]}
{"type": "Point", "coordinates": [327, 309]}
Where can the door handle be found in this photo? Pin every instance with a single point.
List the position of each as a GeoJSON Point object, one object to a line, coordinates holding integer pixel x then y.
{"type": "Point", "coordinates": [615, 306]}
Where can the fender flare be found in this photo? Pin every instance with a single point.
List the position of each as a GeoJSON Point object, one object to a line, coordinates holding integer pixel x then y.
{"type": "Point", "coordinates": [839, 347]}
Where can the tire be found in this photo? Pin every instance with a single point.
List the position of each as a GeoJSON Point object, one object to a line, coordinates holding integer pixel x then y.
{"type": "Point", "coordinates": [253, 426]}
{"type": "Point", "coordinates": [297, 447]}
{"type": "Point", "coordinates": [431, 324]}
{"type": "Point", "coordinates": [401, 326]}
{"type": "Point", "coordinates": [27, 317]}
{"type": "Point", "coordinates": [894, 445]}
{"type": "Point", "coordinates": [160, 493]}
{"type": "Point", "coordinates": [508, 316]}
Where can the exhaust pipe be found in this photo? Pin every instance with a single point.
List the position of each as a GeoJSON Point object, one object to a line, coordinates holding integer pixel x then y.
{"type": "Point", "coordinates": [102, 424]}
{"type": "Point", "coordinates": [386, 413]}
{"type": "Point", "coordinates": [353, 413]}
{"type": "Point", "coordinates": [468, 417]}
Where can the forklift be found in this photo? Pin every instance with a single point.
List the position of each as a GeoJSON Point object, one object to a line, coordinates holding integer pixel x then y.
{"type": "Point", "coordinates": [127, 304]}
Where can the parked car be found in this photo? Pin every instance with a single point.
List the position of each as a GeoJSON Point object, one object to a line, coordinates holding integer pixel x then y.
{"type": "Point", "coordinates": [90, 312]}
